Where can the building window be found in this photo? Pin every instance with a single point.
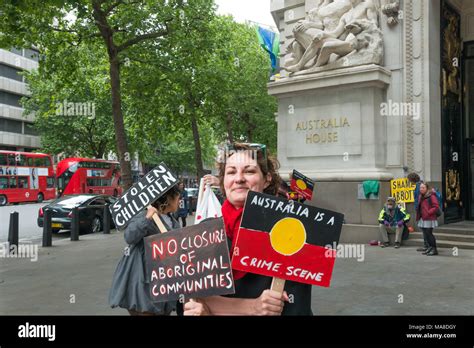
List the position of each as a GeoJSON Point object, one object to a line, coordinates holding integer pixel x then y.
{"type": "Point", "coordinates": [23, 182]}
{"type": "Point", "coordinates": [30, 129]}
{"type": "Point", "coordinates": [50, 181]}
{"type": "Point", "coordinates": [31, 54]}
{"type": "Point", "coordinates": [12, 182]}
{"type": "Point", "coordinates": [21, 161]}
{"type": "Point", "coordinates": [10, 72]}
{"type": "Point", "coordinates": [3, 182]}
{"type": "Point", "coordinates": [17, 51]}
{"type": "Point", "coordinates": [11, 126]}
{"type": "Point", "coordinates": [10, 99]}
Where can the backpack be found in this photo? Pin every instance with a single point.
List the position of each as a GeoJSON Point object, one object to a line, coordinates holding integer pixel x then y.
{"type": "Point", "coordinates": [439, 212]}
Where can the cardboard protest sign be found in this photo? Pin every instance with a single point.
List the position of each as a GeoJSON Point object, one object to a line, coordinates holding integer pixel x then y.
{"type": "Point", "coordinates": [151, 187]}
{"type": "Point", "coordinates": [403, 190]}
{"type": "Point", "coordinates": [302, 184]}
{"type": "Point", "coordinates": [287, 240]}
{"type": "Point", "coordinates": [191, 262]}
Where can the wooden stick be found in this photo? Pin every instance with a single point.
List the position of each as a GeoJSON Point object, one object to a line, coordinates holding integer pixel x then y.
{"type": "Point", "coordinates": [278, 285]}
{"type": "Point", "coordinates": [159, 223]}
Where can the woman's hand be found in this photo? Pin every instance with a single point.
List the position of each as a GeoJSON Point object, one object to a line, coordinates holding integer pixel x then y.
{"type": "Point", "coordinates": [211, 180]}
{"type": "Point", "coordinates": [150, 212]}
{"type": "Point", "coordinates": [196, 307]}
{"type": "Point", "coordinates": [270, 303]}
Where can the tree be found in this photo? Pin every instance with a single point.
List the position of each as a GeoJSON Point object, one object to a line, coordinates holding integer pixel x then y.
{"type": "Point", "coordinates": [72, 106]}
{"type": "Point", "coordinates": [118, 25]}
{"type": "Point", "coordinates": [238, 98]}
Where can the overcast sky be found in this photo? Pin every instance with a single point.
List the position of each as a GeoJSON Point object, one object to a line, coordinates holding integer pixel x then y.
{"type": "Point", "coordinates": [253, 10]}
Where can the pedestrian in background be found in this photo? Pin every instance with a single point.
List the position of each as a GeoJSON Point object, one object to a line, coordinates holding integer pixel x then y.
{"type": "Point", "coordinates": [415, 179]}
{"type": "Point", "coordinates": [183, 204]}
{"type": "Point", "coordinates": [427, 208]}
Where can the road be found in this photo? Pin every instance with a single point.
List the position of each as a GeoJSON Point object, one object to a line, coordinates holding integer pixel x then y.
{"type": "Point", "coordinates": [28, 229]}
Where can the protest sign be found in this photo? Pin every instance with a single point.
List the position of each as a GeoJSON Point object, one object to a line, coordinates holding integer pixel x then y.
{"type": "Point", "coordinates": [151, 187]}
{"type": "Point", "coordinates": [302, 184]}
{"type": "Point", "coordinates": [402, 190]}
{"type": "Point", "coordinates": [191, 262]}
{"type": "Point", "coordinates": [287, 240]}
{"type": "Point", "coordinates": [208, 206]}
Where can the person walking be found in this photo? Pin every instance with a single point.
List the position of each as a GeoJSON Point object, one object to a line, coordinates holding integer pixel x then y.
{"type": "Point", "coordinates": [183, 204]}
{"type": "Point", "coordinates": [427, 218]}
{"type": "Point", "coordinates": [130, 288]}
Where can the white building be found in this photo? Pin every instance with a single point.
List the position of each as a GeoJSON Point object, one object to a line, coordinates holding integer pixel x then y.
{"type": "Point", "coordinates": [16, 131]}
{"type": "Point", "coordinates": [331, 124]}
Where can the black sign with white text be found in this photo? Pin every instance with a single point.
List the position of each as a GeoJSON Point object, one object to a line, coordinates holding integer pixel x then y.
{"type": "Point", "coordinates": [151, 187]}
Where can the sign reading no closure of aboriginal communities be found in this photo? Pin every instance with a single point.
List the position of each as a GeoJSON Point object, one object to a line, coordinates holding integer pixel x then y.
{"type": "Point", "coordinates": [191, 262]}
{"type": "Point", "coordinates": [287, 240]}
{"type": "Point", "coordinates": [151, 187]}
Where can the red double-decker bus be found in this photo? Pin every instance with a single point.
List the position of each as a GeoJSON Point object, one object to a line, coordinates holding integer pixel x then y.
{"type": "Point", "coordinates": [86, 175]}
{"type": "Point", "coordinates": [26, 177]}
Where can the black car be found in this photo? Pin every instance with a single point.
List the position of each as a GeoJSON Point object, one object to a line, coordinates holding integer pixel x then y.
{"type": "Point", "coordinates": [90, 220]}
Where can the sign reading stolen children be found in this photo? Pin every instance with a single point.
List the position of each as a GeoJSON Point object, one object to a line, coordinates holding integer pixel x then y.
{"type": "Point", "coordinates": [151, 187]}
{"type": "Point", "coordinates": [402, 190]}
{"type": "Point", "coordinates": [302, 184]}
{"type": "Point", "coordinates": [191, 262]}
{"type": "Point", "coordinates": [287, 240]}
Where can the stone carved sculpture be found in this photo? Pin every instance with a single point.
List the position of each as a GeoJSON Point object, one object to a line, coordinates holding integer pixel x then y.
{"type": "Point", "coordinates": [391, 10]}
{"type": "Point", "coordinates": [337, 33]}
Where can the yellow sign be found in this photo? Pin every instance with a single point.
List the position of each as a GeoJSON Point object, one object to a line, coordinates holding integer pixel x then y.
{"type": "Point", "coordinates": [403, 190]}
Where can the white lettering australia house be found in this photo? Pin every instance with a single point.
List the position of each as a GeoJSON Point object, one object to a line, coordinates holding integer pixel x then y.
{"type": "Point", "coordinates": [151, 187]}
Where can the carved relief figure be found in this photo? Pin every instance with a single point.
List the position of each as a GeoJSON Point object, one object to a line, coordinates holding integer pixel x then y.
{"type": "Point", "coordinates": [336, 28]}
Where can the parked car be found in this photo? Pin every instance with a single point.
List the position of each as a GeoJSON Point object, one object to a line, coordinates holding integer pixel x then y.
{"type": "Point", "coordinates": [90, 220]}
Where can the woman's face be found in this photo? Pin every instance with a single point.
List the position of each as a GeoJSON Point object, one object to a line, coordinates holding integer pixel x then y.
{"type": "Point", "coordinates": [242, 174]}
{"type": "Point", "coordinates": [173, 204]}
{"type": "Point", "coordinates": [423, 189]}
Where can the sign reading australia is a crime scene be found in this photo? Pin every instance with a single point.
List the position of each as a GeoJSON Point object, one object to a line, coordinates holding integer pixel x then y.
{"type": "Point", "coordinates": [151, 187]}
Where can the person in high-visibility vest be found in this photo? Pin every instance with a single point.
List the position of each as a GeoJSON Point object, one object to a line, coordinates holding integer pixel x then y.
{"type": "Point", "coordinates": [392, 219]}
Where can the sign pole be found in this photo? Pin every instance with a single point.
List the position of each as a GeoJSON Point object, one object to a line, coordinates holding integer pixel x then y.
{"type": "Point", "coordinates": [159, 223]}
{"type": "Point", "coordinates": [278, 285]}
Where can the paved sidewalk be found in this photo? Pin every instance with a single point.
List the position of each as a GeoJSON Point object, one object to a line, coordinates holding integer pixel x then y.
{"type": "Point", "coordinates": [441, 285]}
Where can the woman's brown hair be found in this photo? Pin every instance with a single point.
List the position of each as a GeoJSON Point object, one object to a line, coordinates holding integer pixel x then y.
{"type": "Point", "coordinates": [266, 163]}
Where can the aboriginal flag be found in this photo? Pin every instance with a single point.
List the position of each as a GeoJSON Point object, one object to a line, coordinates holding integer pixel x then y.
{"type": "Point", "coordinates": [302, 184]}
{"type": "Point", "coordinates": [286, 239]}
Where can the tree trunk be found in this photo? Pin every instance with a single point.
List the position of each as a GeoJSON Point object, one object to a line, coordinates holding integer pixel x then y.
{"type": "Point", "coordinates": [114, 70]}
{"type": "Point", "coordinates": [197, 145]}
{"type": "Point", "coordinates": [249, 127]}
{"type": "Point", "coordinates": [230, 133]}
{"type": "Point", "coordinates": [125, 157]}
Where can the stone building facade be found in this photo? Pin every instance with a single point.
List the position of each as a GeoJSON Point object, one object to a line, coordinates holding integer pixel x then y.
{"type": "Point", "coordinates": [395, 96]}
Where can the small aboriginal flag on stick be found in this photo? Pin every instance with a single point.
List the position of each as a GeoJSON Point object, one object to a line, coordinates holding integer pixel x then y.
{"type": "Point", "coordinates": [302, 184]}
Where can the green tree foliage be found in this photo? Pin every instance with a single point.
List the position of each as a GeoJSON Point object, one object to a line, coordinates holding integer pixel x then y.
{"type": "Point", "coordinates": [169, 79]}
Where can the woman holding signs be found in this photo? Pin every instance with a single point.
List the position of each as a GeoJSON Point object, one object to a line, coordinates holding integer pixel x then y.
{"type": "Point", "coordinates": [247, 167]}
{"type": "Point", "coordinates": [129, 288]}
